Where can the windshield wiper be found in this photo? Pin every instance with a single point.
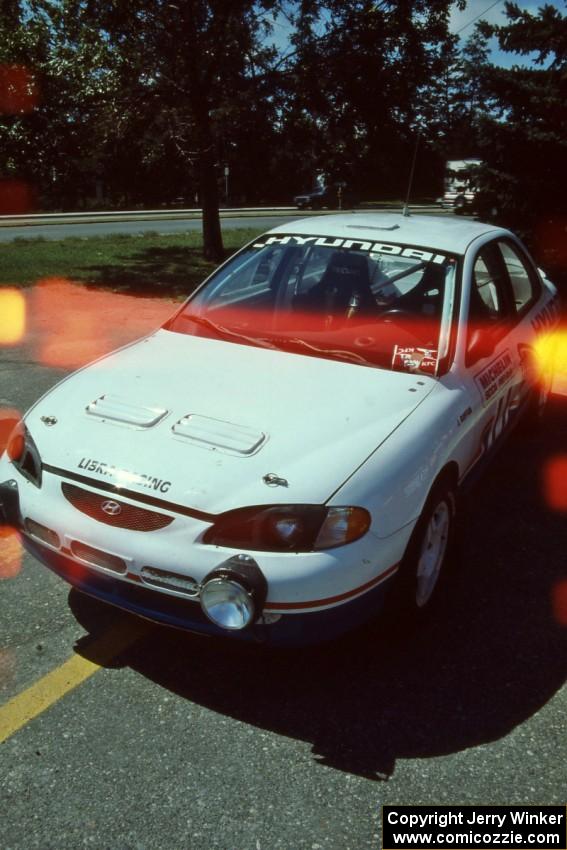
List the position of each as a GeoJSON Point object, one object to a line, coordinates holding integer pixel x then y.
{"type": "Point", "coordinates": [336, 353]}
{"type": "Point", "coordinates": [277, 343]}
{"type": "Point", "coordinates": [226, 332]}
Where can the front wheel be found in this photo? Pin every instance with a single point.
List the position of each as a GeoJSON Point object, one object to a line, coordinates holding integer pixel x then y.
{"type": "Point", "coordinates": [425, 562]}
{"type": "Point", "coordinates": [534, 415]}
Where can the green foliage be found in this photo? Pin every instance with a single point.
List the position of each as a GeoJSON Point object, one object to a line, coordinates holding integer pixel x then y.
{"type": "Point", "coordinates": [360, 87]}
{"type": "Point", "coordinates": [523, 138]}
{"type": "Point", "coordinates": [147, 264]}
{"type": "Point", "coordinates": [147, 101]}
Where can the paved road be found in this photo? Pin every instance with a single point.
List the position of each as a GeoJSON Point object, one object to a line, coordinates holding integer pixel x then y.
{"type": "Point", "coordinates": [179, 742]}
{"type": "Point", "coordinates": [80, 229]}
{"type": "Point", "coordinates": [160, 223]}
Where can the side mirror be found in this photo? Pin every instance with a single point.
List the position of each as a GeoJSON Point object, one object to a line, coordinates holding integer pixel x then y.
{"type": "Point", "coordinates": [482, 343]}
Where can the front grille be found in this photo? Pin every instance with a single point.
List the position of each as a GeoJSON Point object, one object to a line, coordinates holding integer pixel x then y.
{"type": "Point", "coordinates": [170, 581]}
{"type": "Point", "coordinates": [112, 511]}
{"type": "Point", "coordinates": [98, 558]}
{"type": "Point", "coordinates": [41, 532]}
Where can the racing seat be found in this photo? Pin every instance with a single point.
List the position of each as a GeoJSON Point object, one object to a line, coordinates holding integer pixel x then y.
{"type": "Point", "coordinates": [343, 287]}
{"type": "Point", "coordinates": [426, 298]}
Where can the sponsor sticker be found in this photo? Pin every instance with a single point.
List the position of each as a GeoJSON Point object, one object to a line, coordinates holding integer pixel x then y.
{"type": "Point", "coordinates": [417, 254]}
{"type": "Point", "coordinates": [124, 477]}
{"type": "Point", "coordinates": [410, 359]}
{"type": "Point", "coordinates": [498, 372]}
{"type": "Point", "coordinates": [547, 317]}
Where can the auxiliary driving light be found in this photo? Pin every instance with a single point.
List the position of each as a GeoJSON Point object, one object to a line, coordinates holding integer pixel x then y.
{"type": "Point", "coordinates": [232, 595]}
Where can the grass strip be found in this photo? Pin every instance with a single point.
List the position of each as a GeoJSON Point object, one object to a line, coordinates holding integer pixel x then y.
{"type": "Point", "coordinates": [144, 264]}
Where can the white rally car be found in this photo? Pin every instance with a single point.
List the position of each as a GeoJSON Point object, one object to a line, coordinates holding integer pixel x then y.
{"type": "Point", "coordinates": [283, 456]}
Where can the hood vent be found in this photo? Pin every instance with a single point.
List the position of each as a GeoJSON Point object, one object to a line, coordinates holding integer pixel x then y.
{"type": "Point", "coordinates": [216, 434]}
{"type": "Point", "coordinates": [112, 408]}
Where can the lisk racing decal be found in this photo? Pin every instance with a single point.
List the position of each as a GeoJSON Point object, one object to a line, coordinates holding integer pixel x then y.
{"type": "Point", "coordinates": [495, 375]}
{"type": "Point", "coordinates": [102, 468]}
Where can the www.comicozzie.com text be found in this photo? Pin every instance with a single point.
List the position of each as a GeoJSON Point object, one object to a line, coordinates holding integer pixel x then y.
{"type": "Point", "coordinates": [474, 818]}
{"type": "Point", "coordinates": [501, 825]}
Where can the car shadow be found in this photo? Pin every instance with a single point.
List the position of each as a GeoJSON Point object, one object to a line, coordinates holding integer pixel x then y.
{"type": "Point", "coordinates": [491, 658]}
{"type": "Point", "coordinates": [169, 271]}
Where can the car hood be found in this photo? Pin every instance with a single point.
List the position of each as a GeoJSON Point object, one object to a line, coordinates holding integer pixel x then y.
{"type": "Point", "coordinates": [201, 422]}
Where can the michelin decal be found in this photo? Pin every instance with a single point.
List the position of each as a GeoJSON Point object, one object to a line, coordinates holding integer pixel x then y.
{"type": "Point", "coordinates": [495, 375]}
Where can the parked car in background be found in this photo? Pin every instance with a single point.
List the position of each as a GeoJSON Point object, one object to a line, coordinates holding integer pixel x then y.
{"type": "Point", "coordinates": [460, 184]}
{"type": "Point", "coordinates": [335, 196]}
{"type": "Point", "coordinates": [283, 458]}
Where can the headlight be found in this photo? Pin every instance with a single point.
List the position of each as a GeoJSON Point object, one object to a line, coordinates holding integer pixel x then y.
{"type": "Point", "coordinates": [23, 453]}
{"type": "Point", "coordinates": [232, 596]}
{"type": "Point", "coordinates": [288, 528]}
{"type": "Point", "coordinates": [227, 604]}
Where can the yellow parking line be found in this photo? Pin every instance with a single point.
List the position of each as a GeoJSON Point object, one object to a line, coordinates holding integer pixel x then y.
{"type": "Point", "coordinates": [44, 693]}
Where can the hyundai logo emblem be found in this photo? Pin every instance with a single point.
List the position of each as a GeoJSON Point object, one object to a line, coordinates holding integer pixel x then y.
{"type": "Point", "coordinates": [111, 508]}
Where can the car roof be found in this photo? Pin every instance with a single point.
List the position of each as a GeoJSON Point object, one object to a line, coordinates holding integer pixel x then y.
{"type": "Point", "coordinates": [443, 233]}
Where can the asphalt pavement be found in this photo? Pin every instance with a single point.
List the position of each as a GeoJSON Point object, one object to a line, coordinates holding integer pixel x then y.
{"type": "Point", "coordinates": [124, 739]}
{"type": "Point", "coordinates": [158, 221]}
{"type": "Point", "coordinates": [64, 230]}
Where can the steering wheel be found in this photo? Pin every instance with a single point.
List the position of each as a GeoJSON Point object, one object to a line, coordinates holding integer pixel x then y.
{"type": "Point", "coordinates": [397, 312]}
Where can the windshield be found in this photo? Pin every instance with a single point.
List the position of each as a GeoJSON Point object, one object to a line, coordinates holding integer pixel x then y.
{"type": "Point", "coordinates": [370, 303]}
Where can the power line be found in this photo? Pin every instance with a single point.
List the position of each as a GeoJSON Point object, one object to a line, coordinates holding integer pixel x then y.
{"type": "Point", "coordinates": [492, 5]}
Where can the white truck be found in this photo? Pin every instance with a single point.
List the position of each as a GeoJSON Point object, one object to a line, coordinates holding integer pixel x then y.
{"type": "Point", "coordinates": [460, 184]}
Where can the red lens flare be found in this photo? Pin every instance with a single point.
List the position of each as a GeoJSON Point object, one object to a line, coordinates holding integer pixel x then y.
{"type": "Point", "coordinates": [559, 602]}
{"type": "Point", "coordinates": [19, 91]}
{"type": "Point", "coordinates": [551, 241]}
{"type": "Point", "coordinates": [555, 483]}
{"type": "Point", "coordinates": [72, 325]}
{"type": "Point", "coordinates": [10, 552]}
{"type": "Point", "coordinates": [16, 197]}
{"type": "Point", "coordinates": [12, 317]}
{"type": "Point", "coordinates": [9, 418]}
{"type": "Point", "coordinates": [403, 342]}
{"type": "Point", "coordinates": [16, 447]}
{"type": "Point", "coordinates": [551, 355]}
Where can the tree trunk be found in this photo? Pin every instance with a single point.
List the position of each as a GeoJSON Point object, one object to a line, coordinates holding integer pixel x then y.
{"type": "Point", "coordinates": [213, 248]}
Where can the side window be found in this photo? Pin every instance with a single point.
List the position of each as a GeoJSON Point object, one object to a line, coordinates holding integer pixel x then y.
{"type": "Point", "coordinates": [250, 279]}
{"type": "Point", "coordinates": [522, 281]}
{"type": "Point", "coordinates": [487, 302]}
{"type": "Point", "coordinates": [489, 307]}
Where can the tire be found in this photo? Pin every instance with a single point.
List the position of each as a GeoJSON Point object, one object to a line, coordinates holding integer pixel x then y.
{"type": "Point", "coordinates": [540, 388]}
{"type": "Point", "coordinates": [426, 562]}
{"type": "Point", "coordinates": [534, 415]}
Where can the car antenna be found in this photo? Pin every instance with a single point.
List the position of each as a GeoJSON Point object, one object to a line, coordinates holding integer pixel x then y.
{"type": "Point", "coordinates": [405, 210]}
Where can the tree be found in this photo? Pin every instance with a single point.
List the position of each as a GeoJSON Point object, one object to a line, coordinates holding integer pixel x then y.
{"type": "Point", "coordinates": [188, 62]}
{"type": "Point", "coordinates": [358, 86]}
{"type": "Point", "coordinates": [524, 133]}
{"type": "Point", "coordinates": [455, 103]}
{"type": "Point", "coordinates": [141, 93]}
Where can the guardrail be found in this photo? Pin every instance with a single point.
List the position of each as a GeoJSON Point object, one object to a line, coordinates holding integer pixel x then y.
{"type": "Point", "coordinates": [30, 219]}
{"type": "Point", "coordinates": [130, 215]}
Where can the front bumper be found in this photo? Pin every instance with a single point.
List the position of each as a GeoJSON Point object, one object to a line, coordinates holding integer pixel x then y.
{"type": "Point", "coordinates": [289, 630]}
{"type": "Point", "coordinates": [290, 623]}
